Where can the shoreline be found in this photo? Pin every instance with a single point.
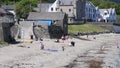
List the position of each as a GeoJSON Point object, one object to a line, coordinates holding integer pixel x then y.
{"type": "Point", "coordinates": [31, 56]}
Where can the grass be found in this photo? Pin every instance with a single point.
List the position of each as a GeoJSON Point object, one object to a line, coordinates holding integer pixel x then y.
{"type": "Point", "coordinates": [2, 43]}
{"type": "Point", "coordinates": [84, 28]}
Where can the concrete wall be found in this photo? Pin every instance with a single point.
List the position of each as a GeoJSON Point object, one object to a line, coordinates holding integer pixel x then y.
{"type": "Point", "coordinates": [116, 29]}
{"type": "Point", "coordinates": [26, 30]}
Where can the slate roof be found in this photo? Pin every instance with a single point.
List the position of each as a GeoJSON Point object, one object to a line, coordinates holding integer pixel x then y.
{"type": "Point", "coordinates": [43, 7]}
{"type": "Point", "coordinates": [46, 16]}
{"type": "Point", "coordinates": [8, 7]}
{"type": "Point", "coordinates": [66, 2]}
{"type": "Point", "coordinates": [2, 10]}
{"type": "Point", "coordinates": [89, 4]}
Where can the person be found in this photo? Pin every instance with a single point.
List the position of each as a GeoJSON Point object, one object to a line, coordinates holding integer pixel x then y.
{"type": "Point", "coordinates": [42, 45]}
{"type": "Point", "coordinates": [40, 38]}
{"type": "Point", "coordinates": [57, 41]}
{"type": "Point", "coordinates": [63, 48]}
{"type": "Point", "coordinates": [87, 35]}
{"type": "Point", "coordinates": [94, 37]}
{"type": "Point", "coordinates": [73, 43]}
{"type": "Point", "coordinates": [63, 37]}
{"type": "Point", "coordinates": [66, 37]}
{"type": "Point", "coordinates": [117, 46]}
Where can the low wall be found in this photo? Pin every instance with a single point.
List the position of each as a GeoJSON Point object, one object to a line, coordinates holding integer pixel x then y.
{"type": "Point", "coordinates": [116, 29]}
{"type": "Point", "coordinates": [107, 25]}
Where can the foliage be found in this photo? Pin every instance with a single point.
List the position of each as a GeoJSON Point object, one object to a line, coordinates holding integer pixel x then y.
{"type": "Point", "coordinates": [47, 1]}
{"type": "Point", "coordinates": [8, 1]}
{"type": "Point", "coordinates": [84, 28]}
{"type": "Point", "coordinates": [2, 42]}
{"type": "Point", "coordinates": [14, 1]}
{"type": "Point", "coordinates": [24, 7]}
{"type": "Point", "coordinates": [107, 4]}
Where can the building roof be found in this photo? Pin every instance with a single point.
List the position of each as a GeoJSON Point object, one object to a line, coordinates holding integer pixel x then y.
{"type": "Point", "coordinates": [2, 11]}
{"type": "Point", "coordinates": [90, 4]}
{"type": "Point", "coordinates": [8, 7]}
{"type": "Point", "coordinates": [43, 7]}
{"type": "Point", "coordinates": [46, 16]}
{"type": "Point", "coordinates": [66, 2]}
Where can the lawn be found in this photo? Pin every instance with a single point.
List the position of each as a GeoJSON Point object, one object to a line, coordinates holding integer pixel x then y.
{"type": "Point", "coordinates": [84, 28]}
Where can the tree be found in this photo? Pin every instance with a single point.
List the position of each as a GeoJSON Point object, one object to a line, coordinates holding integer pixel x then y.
{"type": "Point", "coordinates": [23, 8]}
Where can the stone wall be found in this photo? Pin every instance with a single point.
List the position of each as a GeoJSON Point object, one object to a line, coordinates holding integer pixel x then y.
{"type": "Point", "coordinates": [28, 29]}
{"type": "Point", "coordinates": [14, 31]}
{"type": "Point", "coordinates": [1, 32]}
{"type": "Point", "coordinates": [41, 32]}
{"type": "Point", "coordinates": [6, 32]}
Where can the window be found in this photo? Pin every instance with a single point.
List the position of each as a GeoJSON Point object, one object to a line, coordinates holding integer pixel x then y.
{"type": "Point", "coordinates": [56, 9]}
{"type": "Point", "coordinates": [69, 10]}
{"type": "Point", "coordinates": [105, 13]}
{"type": "Point", "coordinates": [59, 2]}
{"type": "Point", "coordinates": [51, 9]}
{"type": "Point", "coordinates": [70, 20]}
{"type": "Point", "coordinates": [61, 10]}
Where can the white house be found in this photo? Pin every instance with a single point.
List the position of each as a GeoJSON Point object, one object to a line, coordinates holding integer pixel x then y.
{"type": "Point", "coordinates": [75, 9]}
{"type": "Point", "coordinates": [108, 15]}
{"type": "Point", "coordinates": [54, 7]}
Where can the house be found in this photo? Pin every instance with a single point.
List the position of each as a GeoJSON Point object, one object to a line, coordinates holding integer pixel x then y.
{"type": "Point", "coordinates": [94, 14]}
{"type": "Point", "coordinates": [42, 7]}
{"type": "Point", "coordinates": [91, 12]}
{"type": "Point", "coordinates": [75, 9]}
{"type": "Point", "coordinates": [6, 25]}
{"type": "Point", "coordinates": [48, 24]}
{"type": "Point", "coordinates": [108, 15]}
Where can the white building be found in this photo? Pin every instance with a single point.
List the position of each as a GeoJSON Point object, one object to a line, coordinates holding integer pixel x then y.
{"type": "Point", "coordinates": [75, 9]}
{"type": "Point", "coordinates": [108, 15]}
{"type": "Point", "coordinates": [54, 7]}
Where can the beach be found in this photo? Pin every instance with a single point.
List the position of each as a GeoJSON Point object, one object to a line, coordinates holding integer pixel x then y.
{"type": "Point", "coordinates": [102, 49]}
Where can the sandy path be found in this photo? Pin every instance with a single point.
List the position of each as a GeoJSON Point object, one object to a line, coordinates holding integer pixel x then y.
{"type": "Point", "coordinates": [28, 55]}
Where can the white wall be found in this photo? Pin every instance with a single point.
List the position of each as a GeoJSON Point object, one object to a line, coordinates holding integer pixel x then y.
{"type": "Point", "coordinates": [54, 7]}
